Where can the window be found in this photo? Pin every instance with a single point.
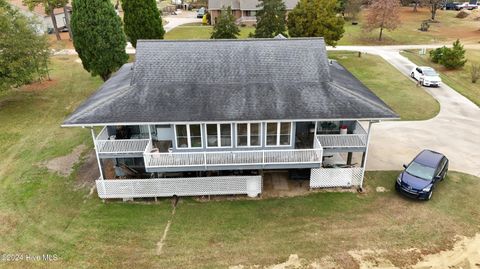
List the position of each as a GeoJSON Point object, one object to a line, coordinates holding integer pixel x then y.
{"type": "Point", "coordinates": [248, 134]}
{"type": "Point", "coordinates": [279, 133]}
{"type": "Point", "coordinates": [188, 136]}
{"type": "Point", "coordinates": [219, 135]}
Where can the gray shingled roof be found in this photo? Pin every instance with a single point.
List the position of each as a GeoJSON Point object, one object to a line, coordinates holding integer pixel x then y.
{"type": "Point", "coordinates": [244, 4]}
{"type": "Point", "coordinates": [230, 80]}
{"type": "Point", "coordinates": [219, 4]}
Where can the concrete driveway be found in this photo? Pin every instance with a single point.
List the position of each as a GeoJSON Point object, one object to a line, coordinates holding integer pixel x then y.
{"type": "Point", "coordinates": [455, 131]}
{"type": "Point", "coordinates": [182, 17]}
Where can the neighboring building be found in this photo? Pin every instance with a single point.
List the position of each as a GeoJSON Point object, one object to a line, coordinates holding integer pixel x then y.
{"type": "Point", "coordinates": [38, 13]}
{"type": "Point", "coordinates": [244, 10]}
{"type": "Point", "coordinates": [210, 117]}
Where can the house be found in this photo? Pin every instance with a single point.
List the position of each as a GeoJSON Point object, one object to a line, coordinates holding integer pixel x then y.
{"type": "Point", "coordinates": [209, 117]}
{"type": "Point", "coordinates": [244, 10]}
{"type": "Point", "coordinates": [44, 21]}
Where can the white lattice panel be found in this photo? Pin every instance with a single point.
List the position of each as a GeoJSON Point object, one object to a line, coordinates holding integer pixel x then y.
{"type": "Point", "coordinates": [335, 177]}
{"type": "Point", "coordinates": [166, 187]}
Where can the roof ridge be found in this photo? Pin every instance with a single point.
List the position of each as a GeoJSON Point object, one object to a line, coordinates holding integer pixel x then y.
{"type": "Point", "coordinates": [227, 40]}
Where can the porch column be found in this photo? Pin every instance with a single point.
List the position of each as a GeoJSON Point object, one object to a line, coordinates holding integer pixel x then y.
{"type": "Point", "coordinates": [365, 154]}
{"type": "Point", "coordinates": [96, 153]}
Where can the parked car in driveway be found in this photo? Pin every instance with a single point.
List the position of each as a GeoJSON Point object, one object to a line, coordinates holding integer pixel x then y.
{"type": "Point", "coordinates": [453, 6]}
{"type": "Point", "coordinates": [426, 76]}
{"type": "Point", "coordinates": [201, 12]}
{"type": "Point", "coordinates": [422, 175]}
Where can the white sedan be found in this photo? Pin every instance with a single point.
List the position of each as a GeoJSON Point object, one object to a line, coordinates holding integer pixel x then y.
{"type": "Point", "coordinates": [426, 76]}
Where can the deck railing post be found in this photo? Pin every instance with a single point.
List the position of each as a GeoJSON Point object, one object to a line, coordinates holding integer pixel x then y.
{"type": "Point", "coordinates": [364, 163]}
{"type": "Point", "coordinates": [205, 159]}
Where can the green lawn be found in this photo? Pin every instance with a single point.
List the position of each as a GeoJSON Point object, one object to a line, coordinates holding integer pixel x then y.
{"type": "Point", "coordinates": [44, 213]}
{"type": "Point", "coordinates": [398, 91]}
{"type": "Point", "coordinates": [447, 29]}
{"type": "Point", "coordinates": [198, 31]}
{"type": "Point", "coordinates": [460, 79]}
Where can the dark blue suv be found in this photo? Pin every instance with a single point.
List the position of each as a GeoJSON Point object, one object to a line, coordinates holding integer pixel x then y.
{"type": "Point", "coordinates": [420, 177]}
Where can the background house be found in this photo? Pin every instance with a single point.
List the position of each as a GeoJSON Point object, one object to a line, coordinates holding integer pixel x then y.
{"type": "Point", "coordinates": [44, 20]}
{"type": "Point", "coordinates": [244, 10]}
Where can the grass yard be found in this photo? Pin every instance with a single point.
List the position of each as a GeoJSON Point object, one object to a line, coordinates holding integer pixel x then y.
{"type": "Point", "coordinates": [45, 213]}
{"type": "Point", "coordinates": [459, 80]}
{"type": "Point", "coordinates": [447, 29]}
{"type": "Point", "coordinates": [399, 92]}
{"type": "Point", "coordinates": [199, 31]}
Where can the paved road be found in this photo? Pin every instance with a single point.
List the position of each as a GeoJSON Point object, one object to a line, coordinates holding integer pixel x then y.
{"type": "Point", "coordinates": [455, 131]}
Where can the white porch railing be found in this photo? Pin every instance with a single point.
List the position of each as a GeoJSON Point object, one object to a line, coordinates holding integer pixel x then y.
{"type": "Point", "coordinates": [358, 139]}
{"type": "Point", "coordinates": [343, 141]}
{"type": "Point", "coordinates": [166, 187]}
{"type": "Point", "coordinates": [336, 177]}
{"type": "Point", "coordinates": [119, 146]}
{"type": "Point", "coordinates": [226, 158]}
{"type": "Point", "coordinates": [122, 146]}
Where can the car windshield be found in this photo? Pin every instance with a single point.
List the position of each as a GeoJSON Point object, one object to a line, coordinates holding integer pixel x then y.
{"type": "Point", "coordinates": [430, 72]}
{"type": "Point", "coordinates": [420, 171]}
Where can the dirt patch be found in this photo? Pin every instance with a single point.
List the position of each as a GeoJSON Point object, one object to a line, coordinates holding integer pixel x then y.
{"type": "Point", "coordinates": [381, 189]}
{"type": "Point", "coordinates": [8, 223]}
{"type": "Point", "coordinates": [38, 86]}
{"type": "Point", "coordinates": [465, 254]}
{"type": "Point", "coordinates": [88, 170]}
{"type": "Point", "coordinates": [64, 164]}
{"type": "Point", "coordinates": [296, 262]}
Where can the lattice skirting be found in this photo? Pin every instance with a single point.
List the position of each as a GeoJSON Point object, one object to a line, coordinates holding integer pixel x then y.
{"type": "Point", "coordinates": [167, 187]}
{"type": "Point", "coordinates": [336, 177]}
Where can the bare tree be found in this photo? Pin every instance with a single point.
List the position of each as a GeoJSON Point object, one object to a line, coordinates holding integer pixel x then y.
{"type": "Point", "coordinates": [383, 14]}
{"type": "Point", "coordinates": [434, 5]}
{"type": "Point", "coordinates": [353, 8]}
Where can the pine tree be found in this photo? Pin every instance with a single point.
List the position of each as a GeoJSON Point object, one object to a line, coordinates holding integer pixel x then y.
{"type": "Point", "coordinates": [316, 18]}
{"type": "Point", "coordinates": [142, 20]}
{"type": "Point", "coordinates": [270, 19]}
{"type": "Point", "coordinates": [98, 37]}
{"type": "Point", "coordinates": [225, 28]}
{"type": "Point", "coordinates": [454, 57]}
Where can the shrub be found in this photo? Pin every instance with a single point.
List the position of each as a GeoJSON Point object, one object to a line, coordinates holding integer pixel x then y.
{"type": "Point", "coordinates": [451, 58]}
{"type": "Point", "coordinates": [424, 26]}
{"type": "Point", "coordinates": [475, 72]}
{"type": "Point", "coordinates": [455, 57]}
{"type": "Point", "coordinates": [436, 54]}
{"type": "Point", "coordinates": [462, 14]}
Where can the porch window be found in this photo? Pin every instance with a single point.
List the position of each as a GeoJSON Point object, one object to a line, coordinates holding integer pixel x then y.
{"type": "Point", "coordinates": [219, 135]}
{"type": "Point", "coordinates": [248, 134]}
{"type": "Point", "coordinates": [188, 136]}
{"type": "Point", "coordinates": [279, 133]}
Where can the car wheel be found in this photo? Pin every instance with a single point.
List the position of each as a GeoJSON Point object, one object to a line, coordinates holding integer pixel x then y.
{"type": "Point", "coordinates": [412, 75]}
{"type": "Point", "coordinates": [445, 175]}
